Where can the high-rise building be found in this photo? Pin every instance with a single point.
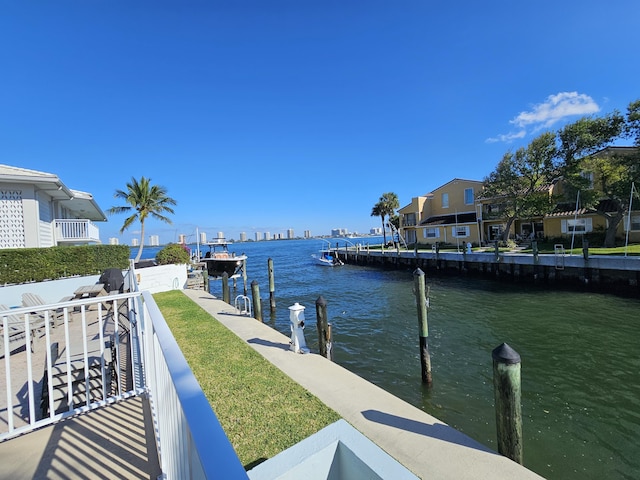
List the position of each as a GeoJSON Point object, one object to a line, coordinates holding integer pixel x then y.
{"type": "Point", "coordinates": [258, 236]}
{"type": "Point", "coordinates": [114, 241]}
{"type": "Point", "coordinates": [307, 234]}
{"type": "Point", "coordinates": [267, 236]}
{"type": "Point", "coordinates": [203, 237]}
{"type": "Point", "coordinates": [135, 242]}
{"type": "Point", "coordinates": [182, 238]}
{"type": "Point", "coordinates": [154, 240]}
{"type": "Point", "coordinates": [243, 237]}
{"type": "Point", "coordinates": [290, 233]}
{"type": "Point", "coordinates": [220, 234]}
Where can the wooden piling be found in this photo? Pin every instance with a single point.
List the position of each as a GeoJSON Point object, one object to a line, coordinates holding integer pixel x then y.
{"type": "Point", "coordinates": [255, 296]}
{"type": "Point", "coordinates": [244, 276]}
{"type": "Point", "coordinates": [421, 301]}
{"type": "Point", "coordinates": [324, 328]}
{"type": "Point", "coordinates": [585, 249]}
{"type": "Point", "coordinates": [507, 391]}
{"type": "Point", "coordinates": [272, 286]}
{"type": "Point", "coordinates": [205, 278]}
{"type": "Point", "coordinates": [226, 297]}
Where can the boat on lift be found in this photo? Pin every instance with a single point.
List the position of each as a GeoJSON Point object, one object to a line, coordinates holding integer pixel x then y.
{"type": "Point", "coordinates": [220, 260]}
{"type": "Point", "coordinates": [327, 257]}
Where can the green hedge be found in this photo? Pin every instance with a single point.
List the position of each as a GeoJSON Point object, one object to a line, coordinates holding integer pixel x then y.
{"type": "Point", "coordinates": [37, 264]}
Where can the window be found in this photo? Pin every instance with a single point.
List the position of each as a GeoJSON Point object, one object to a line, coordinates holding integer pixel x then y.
{"type": "Point", "coordinates": [409, 219]}
{"type": "Point", "coordinates": [431, 233]}
{"type": "Point", "coordinates": [468, 196]}
{"type": "Point", "coordinates": [445, 200]}
{"type": "Point", "coordinates": [578, 225]}
{"type": "Point", "coordinates": [635, 222]}
{"type": "Point", "coordinates": [589, 177]}
{"type": "Point", "coordinates": [460, 231]}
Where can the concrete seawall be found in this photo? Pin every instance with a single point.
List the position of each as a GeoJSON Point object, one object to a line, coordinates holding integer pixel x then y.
{"type": "Point", "coordinates": [597, 272]}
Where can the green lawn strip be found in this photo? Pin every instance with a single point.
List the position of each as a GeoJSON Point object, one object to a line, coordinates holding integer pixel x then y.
{"type": "Point", "coordinates": [262, 411]}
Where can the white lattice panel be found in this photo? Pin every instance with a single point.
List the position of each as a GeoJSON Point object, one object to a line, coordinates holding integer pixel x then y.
{"type": "Point", "coordinates": [11, 219]}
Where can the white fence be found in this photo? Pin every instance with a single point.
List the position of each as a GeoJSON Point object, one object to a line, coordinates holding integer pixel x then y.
{"type": "Point", "coordinates": [68, 358]}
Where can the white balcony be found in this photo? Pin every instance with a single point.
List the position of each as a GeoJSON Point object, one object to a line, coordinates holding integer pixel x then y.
{"type": "Point", "coordinates": [76, 231]}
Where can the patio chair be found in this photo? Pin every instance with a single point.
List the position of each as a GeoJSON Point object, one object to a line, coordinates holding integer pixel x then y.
{"type": "Point", "coordinates": [35, 300]}
{"type": "Point", "coordinates": [15, 326]}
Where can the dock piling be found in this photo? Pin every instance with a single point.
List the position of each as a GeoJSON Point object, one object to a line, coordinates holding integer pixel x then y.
{"type": "Point", "coordinates": [257, 306]}
{"type": "Point", "coordinates": [508, 405]}
{"type": "Point", "coordinates": [421, 301]}
{"type": "Point", "coordinates": [324, 328]}
{"type": "Point", "coordinates": [226, 297]}
{"type": "Point", "coordinates": [272, 287]}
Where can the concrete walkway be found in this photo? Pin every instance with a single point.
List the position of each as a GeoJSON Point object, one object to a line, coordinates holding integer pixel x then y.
{"type": "Point", "coordinates": [420, 442]}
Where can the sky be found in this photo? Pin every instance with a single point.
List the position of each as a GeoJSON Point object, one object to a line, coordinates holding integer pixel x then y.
{"type": "Point", "coordinates": [266, 115]}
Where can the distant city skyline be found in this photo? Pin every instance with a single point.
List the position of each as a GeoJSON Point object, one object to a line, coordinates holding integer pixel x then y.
{"type": "Point", "coordinates": [155, 240]}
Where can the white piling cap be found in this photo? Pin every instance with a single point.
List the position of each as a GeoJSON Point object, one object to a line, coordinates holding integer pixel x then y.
{"type": "Point", "coordinates": [297, 306]}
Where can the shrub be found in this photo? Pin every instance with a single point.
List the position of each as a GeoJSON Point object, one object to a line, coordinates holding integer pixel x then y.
{"type": "Point", "coordinates": [173, 253]}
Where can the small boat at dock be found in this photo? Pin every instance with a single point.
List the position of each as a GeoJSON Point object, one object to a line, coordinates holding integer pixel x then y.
{"type": "Point", "coordinates": [326, 257]}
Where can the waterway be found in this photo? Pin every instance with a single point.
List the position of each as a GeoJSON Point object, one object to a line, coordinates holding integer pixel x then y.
{"type": "Point", "coordinates": [580, 352]}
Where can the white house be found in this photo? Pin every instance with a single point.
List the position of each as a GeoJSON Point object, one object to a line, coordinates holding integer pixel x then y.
{"type": "Point", "coordinates": [38, 210]}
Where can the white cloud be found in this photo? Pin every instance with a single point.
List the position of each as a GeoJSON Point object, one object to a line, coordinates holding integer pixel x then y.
{"type": "Point", "coordinates": [555, 108]}
{"type": "Point", "coordinates": [544, 115]}
{"type": "Point", "coordinates": [507, 137]}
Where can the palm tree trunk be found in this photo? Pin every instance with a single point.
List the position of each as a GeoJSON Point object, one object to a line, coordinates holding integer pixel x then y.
{"type": "Point", "coordinates": [384, 232]}
{"type": "Point", "coordinates": [141, 242]}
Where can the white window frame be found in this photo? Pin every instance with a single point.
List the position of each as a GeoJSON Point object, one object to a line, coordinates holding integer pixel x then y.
{"type": "Point", "coordinates": [470, 199]}
{"type": "Point", "coordinates": [635, 223]}
{"type": "Point", "coordinates": [456, 231]}
{"type": "Point", "coordinates": [589, 177]}
{"type": "Point", "coordinates": [579, 226]}
{"type": "Point", "coordinates": [431, 232]}
{"type": "Point", "coordinates": [445, 200]}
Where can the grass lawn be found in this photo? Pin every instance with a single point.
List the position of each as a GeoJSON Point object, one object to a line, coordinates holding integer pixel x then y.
{"type": "Point", "coordinates": [619, 251]}
{"type": "Point", "coordinates": [261, 409]}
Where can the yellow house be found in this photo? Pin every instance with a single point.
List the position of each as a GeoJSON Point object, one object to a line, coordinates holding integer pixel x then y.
{"type": "Point", "coordinates": [493, 222]}
{"type": "Point", "coordinates": [447, 215]}
{"type": "Point", "coordinates": [570, 219]}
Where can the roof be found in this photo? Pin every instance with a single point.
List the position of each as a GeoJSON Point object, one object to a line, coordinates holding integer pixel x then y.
{"type": "Point", "coordinates": [451, 219]}
{"type": "Point", "coordinates": [563, 210]}
{"type": "Point", "coordinates": [82, 204]}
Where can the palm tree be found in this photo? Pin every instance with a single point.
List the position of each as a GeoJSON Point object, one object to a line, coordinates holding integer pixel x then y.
{"type": "Point", "coordinates": [145, 199]}
{"type": "Point", "coordinates": [387, 205]}
{"type": "Point", "coordinates": [376, 211]}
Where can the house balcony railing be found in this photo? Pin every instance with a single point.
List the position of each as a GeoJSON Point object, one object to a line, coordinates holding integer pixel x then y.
{"type": "Point", "coordinates": [100, 351]}
{"type": "Point", "coordinates": [76, 230]}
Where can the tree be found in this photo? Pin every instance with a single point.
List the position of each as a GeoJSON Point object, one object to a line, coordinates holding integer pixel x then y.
{"type": "Point", "coordinates": [520, 184]}
{"type": "Point", "coordinates": [147, 200]}
{"type": "Point", "coordinates": [387, 205]}
{"type": "Point", "coordinates": [595, 173]}
{"type": "Point", "coordinates": [173, 254]}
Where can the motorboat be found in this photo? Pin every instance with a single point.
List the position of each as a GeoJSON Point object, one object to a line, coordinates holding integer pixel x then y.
{"type": "Point", "coordinates": [220, 260]}
{"type": "Point", "coordinates": [327, 257]}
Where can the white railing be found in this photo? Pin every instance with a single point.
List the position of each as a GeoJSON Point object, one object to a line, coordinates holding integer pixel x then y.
{"type": "Point", "coordinates": [192, 444]}
{"type": "Point", "coordinates": [66, 358]}
{"type": "Point", "coordinates": [90, 353]}
{"type": "Point", "coordinates": [76, 230]}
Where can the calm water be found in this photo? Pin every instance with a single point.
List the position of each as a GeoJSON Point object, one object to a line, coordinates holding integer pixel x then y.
{"type": "Point", "coordinates": [580, 353]}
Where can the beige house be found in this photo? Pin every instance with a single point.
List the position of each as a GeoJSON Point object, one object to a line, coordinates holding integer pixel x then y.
{"type": "Point", "coordinates": [38, 210]}
{"type": "Point", "coordinates": [448, 214]}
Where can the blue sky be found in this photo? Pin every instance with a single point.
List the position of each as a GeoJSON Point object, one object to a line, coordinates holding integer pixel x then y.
{"type": "Point", "coordinates": [268, 115]}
